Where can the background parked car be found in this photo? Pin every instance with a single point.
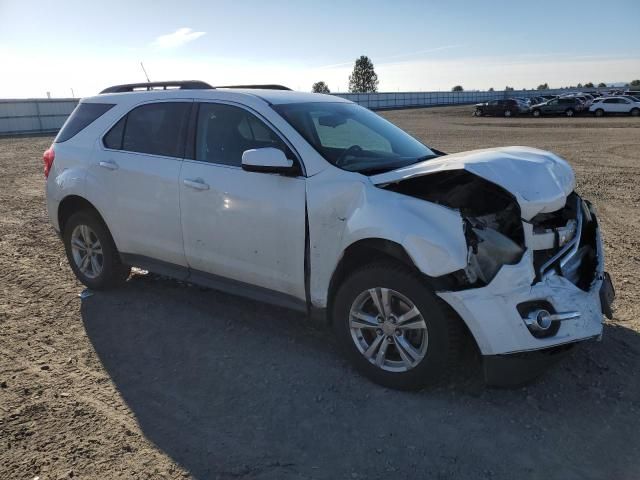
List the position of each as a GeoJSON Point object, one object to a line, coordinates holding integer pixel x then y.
{"type": "Point", "coordinates": [568, 106]}
{"type": "Point", "coordinates": [503, 108]}
{"type": "Point", "coordinates": [618, 104]}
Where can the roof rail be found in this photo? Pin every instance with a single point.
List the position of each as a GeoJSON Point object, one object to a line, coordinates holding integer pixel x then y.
{"type": "Point", "coordinates": [257, 87]}
{"type": "Point", "coordinates": [181, 84]}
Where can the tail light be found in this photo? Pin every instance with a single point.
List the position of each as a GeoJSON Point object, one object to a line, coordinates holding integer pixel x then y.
{"type": "Point", "coordinates": [47, 158]}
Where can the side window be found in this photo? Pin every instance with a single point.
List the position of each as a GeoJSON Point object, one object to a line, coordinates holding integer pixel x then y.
{"type": "Point", "coordinates": [225, 132]}
{"type": "Point", "coordinates": [154, 128]}
{"type": "Point", "coordinates": [609, 100]}
{"type": "Point", "coordinates": [113, 139]}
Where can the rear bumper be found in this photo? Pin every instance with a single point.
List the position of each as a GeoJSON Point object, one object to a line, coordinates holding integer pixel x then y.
{"type": "Point", "coordinates": [491, 312]}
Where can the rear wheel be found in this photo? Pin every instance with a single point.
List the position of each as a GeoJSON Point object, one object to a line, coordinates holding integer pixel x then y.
{"type": "Point", "coordinates": [569, 112]}
{"type": "Point", "coordinates": [92, 255]}
{"type": "Point", "coordinates": [536, 113]}
{"type": "Point", "coordinates": [508, 113]}
{"type": "Point", "coordinates": [635, 112]}
{"type": "Point", "coordinates": [477, 112]}
{"type": "Point", "coordinates": [599, 112]}
{"type": "Point", "coordinates": [393, 327]}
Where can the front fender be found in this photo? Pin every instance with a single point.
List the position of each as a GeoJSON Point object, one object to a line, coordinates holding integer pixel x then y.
{"type": "Point", "coordinates": [432, 235]}
{"type": "Point", "coordinates": [345, 209]}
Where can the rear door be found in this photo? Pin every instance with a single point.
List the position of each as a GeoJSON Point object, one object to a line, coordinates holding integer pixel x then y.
{"type": "Point", "coordinates": [240, 225]}
{"type": "Point", "coordinates": [141, 157]}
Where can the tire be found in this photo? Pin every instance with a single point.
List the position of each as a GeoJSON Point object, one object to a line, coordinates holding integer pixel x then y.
{"type": "Point", "coordinates": [508, 113]}
{"type": "Point", "coordinates": [426, 365]}
{"type": "Point", "coordinates": [91, 252]}
{"type": "Point", "coordinates": [569, 112]}
{"type": "Point", "coordinates": [536, 113]}
{"type": "Point", "coordinates": [635, 112]}
{"type": "Point", "coordinates": [477, 113]}
{"type": "Point", "coordinates": [599, 112]}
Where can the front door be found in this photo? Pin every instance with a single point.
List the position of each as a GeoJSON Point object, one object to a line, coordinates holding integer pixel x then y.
{"type": "Point", "coordinates": [244, 226]}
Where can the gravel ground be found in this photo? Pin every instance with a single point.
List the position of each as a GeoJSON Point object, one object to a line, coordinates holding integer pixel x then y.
{"type": "Point", "coordinates": [164, 380]}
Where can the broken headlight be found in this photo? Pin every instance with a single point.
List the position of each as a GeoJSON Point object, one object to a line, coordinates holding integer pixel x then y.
{"type": "Point", "coordinates": [489, 250]}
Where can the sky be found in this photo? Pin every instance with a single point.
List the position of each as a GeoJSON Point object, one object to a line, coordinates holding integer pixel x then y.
{"type": "Point", "coordinates": [87, 45]}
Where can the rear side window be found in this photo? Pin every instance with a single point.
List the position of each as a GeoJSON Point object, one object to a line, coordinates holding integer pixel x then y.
{"type": "Point", "coordinates": [155, 128]}
{"type": "Point", "coordinates": [113, 139]}
{"type": "Point", "coordinates": [83, 115]}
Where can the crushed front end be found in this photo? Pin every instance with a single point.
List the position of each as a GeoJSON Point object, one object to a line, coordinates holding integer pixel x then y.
{"type": "Point", "coordinates": [554, 295]}
{"type": "Point", "coordinates": [532, 287]}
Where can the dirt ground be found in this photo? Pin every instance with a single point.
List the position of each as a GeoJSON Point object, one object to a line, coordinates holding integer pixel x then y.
{"type": "Point", "coordinates": [164, 380]}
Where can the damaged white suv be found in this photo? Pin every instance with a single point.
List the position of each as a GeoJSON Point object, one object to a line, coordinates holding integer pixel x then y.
{"type": "Point", "coordinates": [312, 202]}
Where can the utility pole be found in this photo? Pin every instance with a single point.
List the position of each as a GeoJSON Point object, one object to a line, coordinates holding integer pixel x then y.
{"type": "Point", "coordinates": [72, 94]}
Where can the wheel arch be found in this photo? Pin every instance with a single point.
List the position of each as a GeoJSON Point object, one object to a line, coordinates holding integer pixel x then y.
{"type": "Point", "coordinates": [370, 250]}
{"type": "Point", "coordinates": [374, 250]}
{"type": "Point", "coordinates": [72, 204]}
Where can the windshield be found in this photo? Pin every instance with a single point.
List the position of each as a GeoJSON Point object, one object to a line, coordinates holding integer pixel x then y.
{"type": "Point", "coordinates": [354, 138]}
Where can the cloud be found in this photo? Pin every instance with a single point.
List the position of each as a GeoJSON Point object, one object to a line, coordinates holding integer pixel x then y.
{"type": "Point", "coordinates": [180, 37]}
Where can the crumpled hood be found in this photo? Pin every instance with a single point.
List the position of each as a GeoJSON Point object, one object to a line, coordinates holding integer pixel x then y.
{"type": "Point", "coordinates": [539, 180]}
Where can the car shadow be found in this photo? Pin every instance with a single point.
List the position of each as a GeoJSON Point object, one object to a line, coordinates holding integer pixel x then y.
{"type": "Point", "coordinates": [231, 388]}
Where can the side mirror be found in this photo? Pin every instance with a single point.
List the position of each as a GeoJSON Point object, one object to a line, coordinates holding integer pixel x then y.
{"type": "Point", "coordinates": [266, 160]}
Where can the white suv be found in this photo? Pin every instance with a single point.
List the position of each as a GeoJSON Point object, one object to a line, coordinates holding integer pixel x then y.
{"type": "Point", "coordinates": [312, 202]}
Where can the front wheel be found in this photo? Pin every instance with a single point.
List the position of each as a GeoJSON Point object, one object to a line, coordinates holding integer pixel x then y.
{"type": "Point", "coordinates": [91, 252]}
{"type": "Point", "coordinates": [599, 112]}
{"type": "Point", "coordinates": [536, 113]}
{"type": "Point", "coordinates": [569, 112]}
{"type": "Point", "coordinates": [393, 327]}
{"type": "Point", "coordinates": [508, 113]}
{"type": "Point", "coordinates": [635, 112]}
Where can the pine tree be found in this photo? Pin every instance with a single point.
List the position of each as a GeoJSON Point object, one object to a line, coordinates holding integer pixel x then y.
{"type": "Point", "coordinates": [364, 78]}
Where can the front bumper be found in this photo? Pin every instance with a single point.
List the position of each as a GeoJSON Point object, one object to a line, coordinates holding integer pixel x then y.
{"type": "Point", "coordinates": [491, 312]}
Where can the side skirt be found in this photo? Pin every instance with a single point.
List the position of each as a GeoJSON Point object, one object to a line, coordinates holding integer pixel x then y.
{"type": "Point", "coordinates": [227, 285]}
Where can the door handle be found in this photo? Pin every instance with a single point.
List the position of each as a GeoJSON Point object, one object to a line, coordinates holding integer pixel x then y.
{"type": "Point", "coordinates": [109, 164]}
{"type": "Point", "coordinates": [196, 183]}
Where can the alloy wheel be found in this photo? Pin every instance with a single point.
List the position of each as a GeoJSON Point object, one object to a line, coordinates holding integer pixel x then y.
{"type": "Point", "coordinates": [86, 250]}
{"type": "Point", "coordinates": [388, 329]}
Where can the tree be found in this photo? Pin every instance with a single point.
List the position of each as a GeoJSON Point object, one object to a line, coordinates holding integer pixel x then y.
{"type": "Point", "coordinates": [320, 87]}
{"type": "Point", "coordinates": [364, 78]}
{"type": "Point", "coordinates": [589, 85]}
{"type": "Point", "coordinates": [543, 86]}
{"type": "Point", "coordinates": [457, 88]}
{"type": "Point", "coordinates": [602, 85]}
{"type": "Point", "coordinates": [579, 85]}
{"type": "Point", "coordinates": [508, 89]}
{"type": "Point", "coordinates": [635, 83]}
{"type": "Point", "coordinates": [491, 89]}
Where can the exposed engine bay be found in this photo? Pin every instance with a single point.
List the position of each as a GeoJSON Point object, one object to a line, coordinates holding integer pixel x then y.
{"type": "Point", "coordinates": [496, 234]}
